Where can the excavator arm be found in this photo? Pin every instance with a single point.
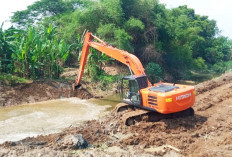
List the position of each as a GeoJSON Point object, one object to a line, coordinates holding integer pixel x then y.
{"type": "Point", "coordinates": [124, 57]}
{"type": "Point", "coordinates": [164, 98]}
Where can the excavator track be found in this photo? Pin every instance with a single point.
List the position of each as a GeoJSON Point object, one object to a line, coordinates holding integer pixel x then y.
{"type": "Point", "coordinates": [130, 118]}
{"type": "Point", "coordinates": [134, 114]}
{"type": "Point", "coordinates": [123, 107]}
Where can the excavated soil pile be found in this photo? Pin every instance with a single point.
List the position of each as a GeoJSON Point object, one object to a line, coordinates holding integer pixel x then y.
{"type": "Point", "coordinates": [207, 133]}
{"type": "Point", "coordinates": [39, 91]}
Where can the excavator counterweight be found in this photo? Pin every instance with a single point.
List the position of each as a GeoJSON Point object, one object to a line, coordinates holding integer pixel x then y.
{"type": "Point", "coordinates": [136, 89]}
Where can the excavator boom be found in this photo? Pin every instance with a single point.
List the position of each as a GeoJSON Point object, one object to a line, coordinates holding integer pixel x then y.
{"type": "Point", "coordinates": [124, 57]}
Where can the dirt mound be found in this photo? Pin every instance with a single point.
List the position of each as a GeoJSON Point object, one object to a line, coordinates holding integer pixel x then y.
{"type": "Point", "coordinates": [39, 91]}
{"type": "Point", "coordinates": [207, 133]}
{"type": "Point", "coordinates": [211, 84]}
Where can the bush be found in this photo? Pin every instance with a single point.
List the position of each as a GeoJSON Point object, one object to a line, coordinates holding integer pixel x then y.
{"type": "Point", "coordinates": [199, 64]}
{"type": "Point", "coordinates": [154, 72]}
{"type": "Point", "coordinates": [11, 79]}
{"type": "Point", "coordinates": [228, 65]}
{"type": "Point", "coordinates": [219, 67]}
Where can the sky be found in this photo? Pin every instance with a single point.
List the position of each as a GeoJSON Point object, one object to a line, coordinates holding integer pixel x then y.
{"type": "Point", "coordinates": [7, 7]}
{"type": "Point", "coordinates": [219, 10]}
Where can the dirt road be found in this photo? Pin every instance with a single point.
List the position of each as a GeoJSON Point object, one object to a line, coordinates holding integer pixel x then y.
{"type": "Point", "coordinates": [207, 133]}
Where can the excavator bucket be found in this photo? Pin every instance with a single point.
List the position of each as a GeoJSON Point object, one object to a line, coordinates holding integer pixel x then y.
{"type": "Point", "coordinates": [75, 87]}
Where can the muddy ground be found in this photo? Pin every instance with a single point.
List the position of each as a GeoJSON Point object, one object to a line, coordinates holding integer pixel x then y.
{"type": "Point", "coordinates": [41, 91]}
{"type": "Point", "coordinates": [207, 133]}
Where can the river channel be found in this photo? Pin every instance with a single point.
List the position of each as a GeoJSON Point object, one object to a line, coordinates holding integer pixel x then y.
{"type": "Point", "coordinates": [28, 120]}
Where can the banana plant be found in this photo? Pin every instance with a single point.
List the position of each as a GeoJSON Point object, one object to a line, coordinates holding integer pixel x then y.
{"type": "Point", "coordinates": [40, 53]}
{"type": "Point", "coordinates": [6, 48]}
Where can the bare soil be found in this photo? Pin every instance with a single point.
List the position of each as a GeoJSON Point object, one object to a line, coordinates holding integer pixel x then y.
{"type": "Point", "coordinates": [207, 133]}
{"type": "Point", "coordinates": [38, 91]}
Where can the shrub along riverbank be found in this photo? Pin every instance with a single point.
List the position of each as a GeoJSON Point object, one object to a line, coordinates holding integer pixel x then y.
{"type": "Point", "coordinates": [173, 44]}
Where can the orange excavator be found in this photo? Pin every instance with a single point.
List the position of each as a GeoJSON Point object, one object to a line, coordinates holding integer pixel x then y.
{"type": "Point", "coordinates": [136, 90]}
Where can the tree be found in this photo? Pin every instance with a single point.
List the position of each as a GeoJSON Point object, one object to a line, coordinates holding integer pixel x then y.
{"type": "Point", "coordinates": [43, 8]}
{"type": "Point", "coordinates": [178, 40]}
{"type": "Point", "coordinates": [154, 72]}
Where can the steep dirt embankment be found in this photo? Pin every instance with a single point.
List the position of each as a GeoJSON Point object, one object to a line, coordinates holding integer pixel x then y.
{"type": "Point", "coordinates": [39, 91]}
{"type": "Point", "coordinates": [207, 133]}
{"type": "Point", "coordinates": [49, 89]}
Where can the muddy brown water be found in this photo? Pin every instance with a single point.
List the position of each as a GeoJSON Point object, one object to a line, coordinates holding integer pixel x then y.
{"type": "Point", "coordinates": [27, 120]}
{"type": "Point", "coordinates": [111, 100]}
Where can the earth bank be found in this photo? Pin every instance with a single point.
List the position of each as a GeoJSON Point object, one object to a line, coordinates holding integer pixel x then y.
{"type": "Point", "coordinates": [207, 133]}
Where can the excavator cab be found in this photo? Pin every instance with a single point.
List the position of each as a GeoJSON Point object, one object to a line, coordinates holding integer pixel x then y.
{"type": "Point", "coordinates": [130, 89]}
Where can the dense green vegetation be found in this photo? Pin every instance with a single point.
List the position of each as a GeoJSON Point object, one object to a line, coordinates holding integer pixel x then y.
{"type": "Point", "coordinates": [33, 53]}
{"type": "Point", "coordinates": [10, 79]}
{"type": "Point", "coordinates": [171, 43]}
